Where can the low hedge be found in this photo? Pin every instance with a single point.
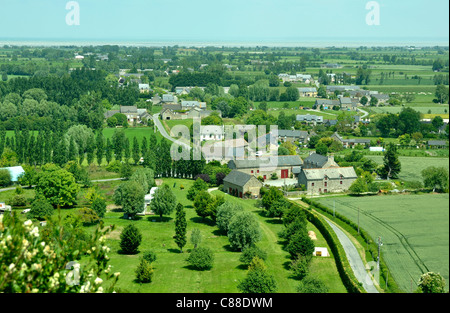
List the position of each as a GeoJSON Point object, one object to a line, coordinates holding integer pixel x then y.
{"type": "Point", "coordinates": [372, 247]}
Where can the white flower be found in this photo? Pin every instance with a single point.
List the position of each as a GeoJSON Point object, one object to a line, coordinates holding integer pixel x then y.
{"type": "Point", "coordinates": [28, 223]}
{"type": "Point", "coordinates": [100, 290]}
{"type": "Point", "coordinates": [116, 274]}
{"type": "Point", "coordinates": [35, 232]}
{"type": "Point", "coordinates": [98, 281]}
{"type": "Point", "coordinates": [11, 267]}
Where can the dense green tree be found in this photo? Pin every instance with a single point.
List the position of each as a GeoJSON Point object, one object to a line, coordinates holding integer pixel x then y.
{"type": "Point", "coordinates": [224, 214]}
{"type": "Point", "coordinates": [311, 284]}
{"type": "Point", "coordinates": [130, 240]}
{"type": "Point", "coordinates": [130, 195]}
{"type": "Point", "coordinates": [164, 201]}
{"type": "Point", "coordinates": [57, 185]}
{"type": "Point", "coordinates": [431, 283]}
{"type": "Point", "coordinates": [243, 231]}
{"type": "Point", "coordinates": [180, 227]}
{"type": "Point", "coordinates": [391, 163]}
{"type": "Point", "coordinates": [436, 177]}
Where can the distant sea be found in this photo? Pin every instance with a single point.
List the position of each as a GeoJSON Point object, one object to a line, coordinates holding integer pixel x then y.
{"type": "Point", "coordinates": [273, 42]}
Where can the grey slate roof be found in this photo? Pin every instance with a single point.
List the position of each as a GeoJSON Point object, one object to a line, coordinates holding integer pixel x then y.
{"type": "Point", "coordinates": [437, 143]}
{"type": "Point", "coordinates": [292, 133]}
{"type": "Point", "coordinates": [237, 178]}
{"type": "Point", "coordinates": [278, 161]}
{"type": "Point", "coordinates": [330, 172]}
{"type": "Point", "coordinates": [128, 109]}
{"type": "Point", "coordinates": [317, 159]}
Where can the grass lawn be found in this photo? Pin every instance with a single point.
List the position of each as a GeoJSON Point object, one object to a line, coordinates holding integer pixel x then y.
{"type": "Point", "coordinates": [414, 231]}
{"type": "Point", "coordinates": [172, 273]}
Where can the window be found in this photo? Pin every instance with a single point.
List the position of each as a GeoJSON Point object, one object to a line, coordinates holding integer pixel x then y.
{"type": "Point", "coordinates": [326, 184]}
{"type": "Point", "coordinates": [252, 171]}
{"type": "Point", "coordinates": [341, 182]}
{"type": "Point", "coordinates": [257, 171]}
{"type": "Point", "coordinates": [312, 184]}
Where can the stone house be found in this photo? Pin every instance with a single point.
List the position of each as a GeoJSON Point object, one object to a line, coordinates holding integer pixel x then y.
{"type": "Point", "coordinates": [240, 184]}
{"type": "Point", "coordinates": [327, 180]}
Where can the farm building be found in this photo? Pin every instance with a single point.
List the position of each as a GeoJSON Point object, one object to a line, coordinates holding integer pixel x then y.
{"type": "Point", "coordinates": [307, 91]}
{"type": "Point", "coordinates": [242, 185]}
{"type": "Point", "coordinates": [437, 144]}
{"type": "Point", "coordinates": [350, 142]}
{"type": "Point", "coordinates": [294, 135]}
{"type": "Point", "coordinates": [327, 180]}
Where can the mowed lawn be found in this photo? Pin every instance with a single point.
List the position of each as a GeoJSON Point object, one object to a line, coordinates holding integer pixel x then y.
{"type": "Point", "coordinates": [172, 273]}
{"type": "Point", "coordinates": [414, 230]}
{"type": "Point", "coordinates": [412, 166]}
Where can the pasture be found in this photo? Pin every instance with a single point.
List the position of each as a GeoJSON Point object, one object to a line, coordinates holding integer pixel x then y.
{"type": "Point", "coordinates": [414, 230]}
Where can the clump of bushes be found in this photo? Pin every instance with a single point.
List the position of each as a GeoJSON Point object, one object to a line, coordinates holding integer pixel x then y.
{"type": "Point", "coordinates": [201, 258]}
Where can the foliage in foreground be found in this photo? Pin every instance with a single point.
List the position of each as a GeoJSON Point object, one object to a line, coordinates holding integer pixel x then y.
{"type": "Point", "coordinates": [31, 264]}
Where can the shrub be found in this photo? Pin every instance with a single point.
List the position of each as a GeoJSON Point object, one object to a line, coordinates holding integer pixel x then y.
{"type": "Point", "coordinates": [144, 271]}
{"type": "Point", "coordinates": [18, 201]}
{"type": "Point", "coordinates": [258, 280]}
{"type": "Point", "coordinates": [250, 253]}
{"type": "Point", "coordinates": [311, 285]}
{"type": "Point", "coordinates": [40, 209]}
{"type": "Point", "coordinates": [88, 216]}
{"type": "Point", "coordinates": [99, 207]}
{"type": "Point", "coordinates": [114, 166]}
{"type": "Point", "coordinates": [150, 256]}
{"type": "Point", "coordinates": [201, 258]}
{"type": "Point", "coordinates": [130, 239]}
{"type": "Point", "coordinates": [196, 237]}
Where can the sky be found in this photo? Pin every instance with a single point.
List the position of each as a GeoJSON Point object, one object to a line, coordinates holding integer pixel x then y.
{"type": "Point", "coordinates": [410, 21]}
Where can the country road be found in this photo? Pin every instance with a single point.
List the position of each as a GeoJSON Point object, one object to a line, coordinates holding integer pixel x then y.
{"type": "Point", "coordinates": [164, 133]}
{"type": "Point", "coordinates": [354, 259]}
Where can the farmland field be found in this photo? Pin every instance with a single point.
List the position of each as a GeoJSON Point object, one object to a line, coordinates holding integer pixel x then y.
{"type": "Point", "coordinates": [413, 166]}
{"type": "Point", "coordinates": [414, 230]}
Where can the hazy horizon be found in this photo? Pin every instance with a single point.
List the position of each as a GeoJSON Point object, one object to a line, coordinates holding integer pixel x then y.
{"type": "Point", "coordinates": [231, 22]}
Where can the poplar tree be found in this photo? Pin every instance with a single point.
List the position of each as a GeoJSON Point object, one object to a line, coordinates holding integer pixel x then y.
{"type": "Point", "coordinates": [180, 227]}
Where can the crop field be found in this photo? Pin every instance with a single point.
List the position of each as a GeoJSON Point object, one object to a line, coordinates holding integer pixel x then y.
{"type": "Point", "coordinates": [426, 110]}
{"type": "Point", "coordinates": [414, 230]}
{"type": "Point", "coordinates": [413, 166]}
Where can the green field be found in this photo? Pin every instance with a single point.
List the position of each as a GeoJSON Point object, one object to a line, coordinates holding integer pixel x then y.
{"type": "Point", "coordinates": [413, 166]}
{"type": "Point", "coordinates": [414, 231]}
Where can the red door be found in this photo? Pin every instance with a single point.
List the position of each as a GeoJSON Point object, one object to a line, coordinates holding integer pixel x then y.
{"type": "Point", "coordinates": [240, 194]}
{"type": "Point", "coordinates": [284, 173]}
